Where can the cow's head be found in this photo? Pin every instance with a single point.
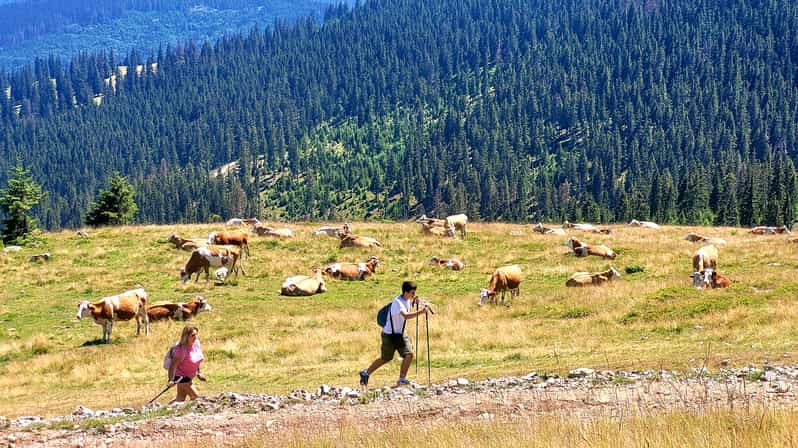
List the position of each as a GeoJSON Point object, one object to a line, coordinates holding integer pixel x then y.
{"type": "Point", "coordinates": [203, 304]}
{"type": "Point", "coordinates": [84, 309]}
{"type": "Point", "coordinates": [486, 295]}
{"type": "Point", "coordinates": [702, 279]}
{"type": "Point", "coordinates": [572, 242]}
{"type": "Point", "coordinates": [212, 238]}
{"type": "Point", "coordinates": [614, 274]}
{"type": "Point", "coordinates": [221, 273]}
{"type": "Point", "coordinates": [634, 222]}
{"type": "Point", "coordinates": [184, 276]}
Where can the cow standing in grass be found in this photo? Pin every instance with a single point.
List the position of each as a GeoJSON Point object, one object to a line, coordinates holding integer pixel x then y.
{"type": "Point", "coordinates": [123, 306]}
{"type": "Point", "coordinates": [505, 278]}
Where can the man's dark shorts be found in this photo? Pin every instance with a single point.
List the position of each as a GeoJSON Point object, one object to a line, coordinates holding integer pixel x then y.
{"type": "Point", "coordinates": [393, 343]}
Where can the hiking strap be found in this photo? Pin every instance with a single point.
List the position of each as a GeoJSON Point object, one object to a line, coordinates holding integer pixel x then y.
{"type": "Point", "coordinates": [393, 330]}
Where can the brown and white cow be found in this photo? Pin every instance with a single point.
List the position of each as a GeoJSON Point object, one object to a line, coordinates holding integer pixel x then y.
{"type": "Point", "coordinates": [337, 232]}
{"type": "Point", "coordinates": [178, 311]}
{"type": "Point", "coordinates": [204, 258]}
{"type": "Point", "coordinates": [593, 278]}
{"type": "Point", "coordinates": [705, 262]}
{"type": "Point", "coordinates": [696, 238]}
{"type": "Point", "coordinates": [262, 230]}
{"type": "Point", "coordinates": [769, 230]}
{"type": "Point", "coordinates": [186, 244]}
{"type": "Point", "coordinates": [364, 242]}
{"type": "Point", "coordinates": [505, 278]}
{"type": "Point", "coordinates": [581, 249]}
{"type": "Point", "coordinates": [429, 229]}
{"type": "Point", "coordinates": [44, 256]}
{"type": "Point", "coordinates": [124, 306]}
{"type": "Point", "coordinates": [540, 228]}
{"type": "Point", "coordinates": [584, 227]}
{"type": "Point", "coordinates": [303, 285]}
{"type": "Point", "coordinates": [452, 263]}
{"type": "Point", "coordinates": [644, 224]}
{"type": "Point", "coordinates": [233, 238]}
{"type": "Point", "coordinates": [353, 271]}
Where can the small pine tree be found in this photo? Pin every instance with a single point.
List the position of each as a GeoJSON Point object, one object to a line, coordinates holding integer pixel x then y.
{"type": "Point", "coordinates": [116, 205]}
{"type": "Point", "coordinates": [20, 195]}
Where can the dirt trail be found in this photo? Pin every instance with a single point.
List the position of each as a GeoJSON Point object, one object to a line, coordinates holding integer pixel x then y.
{"type": "Point", "coordinates": [230, 418]}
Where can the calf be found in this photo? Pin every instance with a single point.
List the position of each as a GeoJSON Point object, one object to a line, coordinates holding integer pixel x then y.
{"type": "Point", "coordinates": [123, 306]}
{"type": "Point", "coordinates": [303, 285]}
{"type": "Point", "coordinates": [234, 238]}
{"type": "Point", "coordinates": [581, 249]}
{"type": "Point", "coordinates": [178, 311]}
{"type": "Point", "coordinates": [353, 271]}
{"type": "Point", "coordinates": [82, 234]}
{"type": "Point", "coordinates": [505, 278]}
{"type": "Point", "coordinates": [364, 242]}
{"type": "Point", "coordinates": [204, 258]}
{"type": "Point", "coordinates": [705, 261]}
{"type": "Point", "coordinates": [719, 281]}
{"type": "Point", "coordinates": [593, 279]}
{"type": "Point", "coordinates": [453, 263]}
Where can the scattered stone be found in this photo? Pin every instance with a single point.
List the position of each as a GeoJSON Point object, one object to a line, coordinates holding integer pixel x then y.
{"type": "Point", "coordinates": [462, 382]}
{"type": "Point", "coordinates": [82, 411]}
{"type": "Point", "coordinates": [581, 372]}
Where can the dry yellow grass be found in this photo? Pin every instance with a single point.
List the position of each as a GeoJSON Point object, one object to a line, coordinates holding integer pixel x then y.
{"type": "Point", "coordinates": [257, 341]}
{"type": "Point", "coordinates": [761, 427]}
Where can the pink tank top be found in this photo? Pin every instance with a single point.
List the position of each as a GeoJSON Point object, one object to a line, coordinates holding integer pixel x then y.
{"type": "Point", "coordinates": [192, 357]}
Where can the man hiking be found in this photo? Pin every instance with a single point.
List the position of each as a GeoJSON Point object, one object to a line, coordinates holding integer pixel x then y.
{"type": "Point", "coordinates": [393, 334]}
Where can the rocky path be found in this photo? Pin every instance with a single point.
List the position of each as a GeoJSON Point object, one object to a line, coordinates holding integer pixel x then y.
{"type": "Point", "coordinates": [231, 418]}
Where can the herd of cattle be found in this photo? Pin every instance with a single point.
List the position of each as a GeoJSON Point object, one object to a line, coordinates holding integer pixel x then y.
{"type": "Point", "coordinates": [223, 251]}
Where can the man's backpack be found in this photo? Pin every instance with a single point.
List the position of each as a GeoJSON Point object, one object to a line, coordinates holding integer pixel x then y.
{"type": "Point", "coordinates": [167, 360]}
{"type": "Point", "coordinates": [383, 314]}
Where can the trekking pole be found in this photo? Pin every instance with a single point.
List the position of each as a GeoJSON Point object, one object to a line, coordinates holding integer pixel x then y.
{"type": "Point", "coordinates": [416, 341]}
{"type": "Point", "coordinates": [429, 369]}
{"type": "Point", "coordinates": [168, 386]}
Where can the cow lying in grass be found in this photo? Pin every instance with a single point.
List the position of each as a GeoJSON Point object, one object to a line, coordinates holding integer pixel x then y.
{"type": "Point", "coordinates": [505, 278]}
{"type": "Point", "coordinates": [363, 242]}
{"type": "Point", "coordinates": [429, 229]}
{"type": "Point", "coordinates": [337, 232]}
{"type": "Point", "coordinates": [540, 228]}
{"type": "Point", "coordinates": [184, 243]}
{"type": "Point", "coordinates": [769, 230]}
{"type": "Point", "coordinates": [719, 281]}
{"type": "Point", "coordinates": [452, 263]}
{"type": "Point", "coordinates": [303, 285]}
{"type": "Point", "coordinates": [696, 238]}
{"type": "Point", "coordinates": [581, 249]}
{"type": "Point", "coordinates": [593, 278]}
{"type": "Point", "coordinates": [353, 271]}
{"type": "Point", "coordinates": [124, 306]}
{"type": "Point", "coordinates": [177, 311]}
{"type": "Point", "coordinates": [644, 224]}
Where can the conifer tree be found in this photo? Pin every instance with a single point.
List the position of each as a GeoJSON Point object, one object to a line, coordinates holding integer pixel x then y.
{"type": "Point", "coordinates": [20, 195]}
{"type": "Point", "coordinates": [114, 206]}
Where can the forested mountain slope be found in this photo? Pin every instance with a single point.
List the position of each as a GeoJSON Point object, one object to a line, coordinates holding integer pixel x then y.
{"type": "Point", "coordinates": [676, 111]}
{"type": "Point", "coordinates": [63, 28]}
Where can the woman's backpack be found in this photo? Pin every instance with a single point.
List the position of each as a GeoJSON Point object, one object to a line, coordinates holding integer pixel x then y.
{"type": "Point", "coordinates": [167, 359]}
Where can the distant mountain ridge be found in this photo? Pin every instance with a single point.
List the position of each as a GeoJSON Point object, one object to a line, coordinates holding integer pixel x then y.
{"type": "Point", "coordinates": [676, 112]}
{"type": "Point", "coordinates": [41, 28]}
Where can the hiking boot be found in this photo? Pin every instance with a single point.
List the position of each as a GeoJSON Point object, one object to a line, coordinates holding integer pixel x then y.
{"type": "Point", "coordinates": [364, 378]}
{"type": "Point", "coordinates": [403, 382]}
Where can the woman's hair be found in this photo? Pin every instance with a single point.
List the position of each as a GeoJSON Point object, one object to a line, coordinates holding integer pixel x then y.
{"type": "Point", "coordinates": [188, 330]}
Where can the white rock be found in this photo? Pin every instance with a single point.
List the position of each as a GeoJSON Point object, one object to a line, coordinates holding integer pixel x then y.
{"type": "Point", "coordinates": [462, 382]}
{"type": "Point", "coordinates": [580, 372]}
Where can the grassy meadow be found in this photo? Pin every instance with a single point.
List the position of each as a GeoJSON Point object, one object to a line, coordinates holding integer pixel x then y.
{"type": "Point", "coordinates": [257, 341]}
